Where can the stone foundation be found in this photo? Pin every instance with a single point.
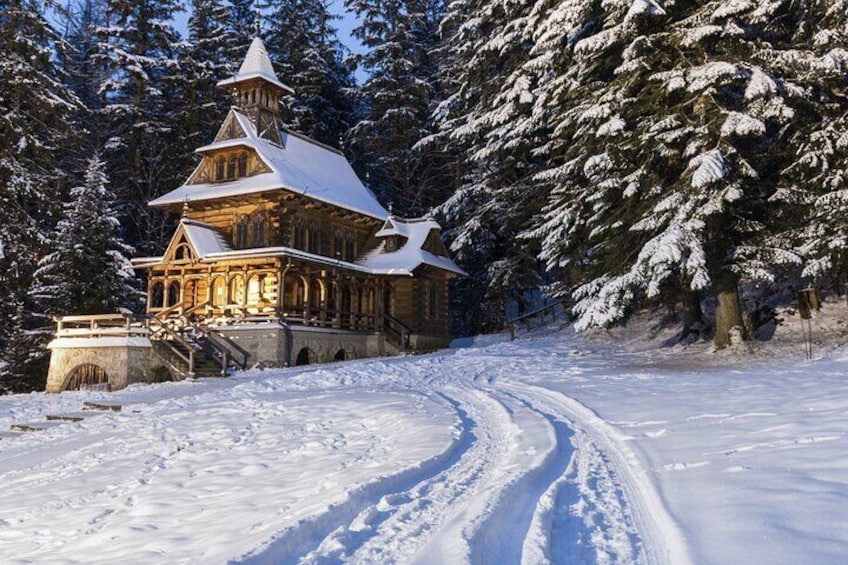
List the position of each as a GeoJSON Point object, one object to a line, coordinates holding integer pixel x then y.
{"type": "Point", "coordinates": [273, 345]}
{"type": "Point", "coordinates": [125, 360]}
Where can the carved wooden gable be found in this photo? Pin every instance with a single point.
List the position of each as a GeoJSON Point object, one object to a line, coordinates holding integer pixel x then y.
{"type": "Point", "coordinates": [180, 249]}
{"type": "Point", "coordinates": [230, 129]}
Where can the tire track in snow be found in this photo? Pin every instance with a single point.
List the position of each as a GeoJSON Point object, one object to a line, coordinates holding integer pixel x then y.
{"type": "Point", "coordinates": [502, 535]}
{"type": "Point", "coordinates": [297, 543]}
{"type": "Point", "coordinates": [661, 539]}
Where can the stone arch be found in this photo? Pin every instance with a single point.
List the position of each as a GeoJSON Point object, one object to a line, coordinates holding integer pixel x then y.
{"type": "Point", "coordinates": [341, 355]}
{"type": "Point", "coordinates": [85, 374]}
{"type": "Point", "coordinates": [306, 357]}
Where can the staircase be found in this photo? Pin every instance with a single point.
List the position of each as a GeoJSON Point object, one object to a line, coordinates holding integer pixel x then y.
{"type": "Point", "coordinates": [397, 334]}
{"type": "Point", "coordinates": [192, 351]}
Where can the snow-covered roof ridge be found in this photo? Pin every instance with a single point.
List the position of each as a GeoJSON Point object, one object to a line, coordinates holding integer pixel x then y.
{"type": "Point", "coordinates": [256, 64]}
{"type": "Point", "coordinates": [411, 254]}
{"type": "Point", "coordinates": [396, 225]}
{"type": "Point", "coordinates": [302, 166]}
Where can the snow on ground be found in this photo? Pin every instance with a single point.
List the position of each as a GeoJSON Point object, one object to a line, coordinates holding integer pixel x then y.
{"type": "Point", "coordinates": [564, 449]}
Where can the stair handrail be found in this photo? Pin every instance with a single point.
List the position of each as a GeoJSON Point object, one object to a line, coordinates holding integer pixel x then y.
{"type": "Point", "coordinates": [401, 331]}
{"type": "Point", "coordinates": [158, 326]}
{"type": "Point", "coordinates": [223, 347]}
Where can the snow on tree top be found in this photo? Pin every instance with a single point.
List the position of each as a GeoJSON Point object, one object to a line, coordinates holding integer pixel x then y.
{"type": "Point", "coordinates": [257, 64]}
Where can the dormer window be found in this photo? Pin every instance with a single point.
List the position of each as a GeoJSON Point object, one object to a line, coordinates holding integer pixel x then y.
{"type": "Point", "coordinates": [242, 165]}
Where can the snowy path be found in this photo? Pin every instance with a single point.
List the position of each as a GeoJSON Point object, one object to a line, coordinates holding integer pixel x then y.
{"type": "Point", "coordinates": [525, 452]}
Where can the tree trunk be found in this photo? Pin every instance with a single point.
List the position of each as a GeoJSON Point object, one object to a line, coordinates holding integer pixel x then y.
{"type": "Point", "coordinates": [693, 315]}
{"type": "Point", "coordinates": [728, 308]}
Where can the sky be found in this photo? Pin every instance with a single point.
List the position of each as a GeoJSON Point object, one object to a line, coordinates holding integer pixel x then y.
{"type": "Point", "coordinates": [345, 24]}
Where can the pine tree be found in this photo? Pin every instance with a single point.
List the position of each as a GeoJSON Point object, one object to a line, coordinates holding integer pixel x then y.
{"type": "Point", "coordinates": [87, 270]}
{"type": "Point", "coordinates": [308, 57]}
{"type": "Point", "coordinates": [35, 137]}
{"type": "Point", "coordinates": [671, 134]}
{"type": "Point", "coordinates": [142, 93]}
{"type": "Point", "coordinates": [242, 21]}
{"type": "Point", "coordinates": [207, 57]}
{"type": "Point", "coordinates": [396, 98]}
{"type": "Point", "coordinates": [484, 120]}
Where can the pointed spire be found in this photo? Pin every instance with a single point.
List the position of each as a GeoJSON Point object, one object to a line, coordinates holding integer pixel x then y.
{"type": "Point", "coordinates": [256, 64]}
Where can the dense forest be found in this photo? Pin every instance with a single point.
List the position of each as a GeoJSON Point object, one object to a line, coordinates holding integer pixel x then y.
{"type": "Point", "coordinates": [616, 154]}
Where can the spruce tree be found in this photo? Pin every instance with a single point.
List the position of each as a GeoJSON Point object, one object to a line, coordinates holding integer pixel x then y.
{"type": "Point", "coordinates": [396, 98]}
{"type": "Point", "coordinates": [670, 130]}
{"type": "Point", "coordinates": [308, 56]}
{"type": "Point", "coordinates": [87, 270]}
{"type": "Point", "coordinates": [35, 137]}
{"type": "Point", "coordinates": [138, 48]}
{"type": "Point", "coordinates": [484, 120]}
{"type": "Point", "coordinates": [242, 21]}
{"type": "Point", "coordinates": [209, 55]}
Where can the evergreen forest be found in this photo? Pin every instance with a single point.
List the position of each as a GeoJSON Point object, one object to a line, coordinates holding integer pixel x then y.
{"type": "Point", "coordinates": [684, 155]}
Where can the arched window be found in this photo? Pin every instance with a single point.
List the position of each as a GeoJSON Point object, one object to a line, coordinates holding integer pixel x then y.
{"type": "Point", "coordinates": [254, 290]}
{"type": "Point", "coordinates": [237, 290]}
{"type": "Point", "coordinates": [242, 165]}
{"type": "Point", "coordinates": [231, 168]}
{"type": "Point", "coordinates": [314, 240]}
{"type": "Point", "coordinates": [259, 229]}
{"type": "Point", "coordinates": [241, 231]}
{"type": "Point", "coordinates": [219, 168]}
{"type": "Point", "coordinates": [315, 295]}
{"type": "Point", "coordinates": [434, 301]}
{"type": "Point", "coordinates": [300, 235]}
{"type": "Point", "coordinates": [173, 294]}
{"type": "Point", "coordinates": [183, 253]}
{"type": "Point", "coordinates": [157, 295]}
{"type": "Point", "coordinates": [219, 292]}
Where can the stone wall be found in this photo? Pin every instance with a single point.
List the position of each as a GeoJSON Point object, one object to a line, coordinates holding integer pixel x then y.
{"type": "Point", "coordinates": [278, 346]}
{"type": "Point", "coordinates": [125, 361]}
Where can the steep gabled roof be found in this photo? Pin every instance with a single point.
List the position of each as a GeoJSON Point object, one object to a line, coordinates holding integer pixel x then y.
{"type": "Point", "coordinates": [204, 238]}
{"type": "Point", "coordinates": [411, 254]}
{"type": "Point", "coordinates": [256, 64]}
{"type": "Point", "coordinates": [301, 165]}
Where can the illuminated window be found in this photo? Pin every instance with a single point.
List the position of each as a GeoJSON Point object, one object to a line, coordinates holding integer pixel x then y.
{"type": "Point", "coordinates": [219, 292]}
{"type": "Point", "coordinates": [237, 290]}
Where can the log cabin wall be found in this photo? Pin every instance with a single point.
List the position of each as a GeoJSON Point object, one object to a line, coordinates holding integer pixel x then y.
{"type": "Point", "coordinates": [284, 212]}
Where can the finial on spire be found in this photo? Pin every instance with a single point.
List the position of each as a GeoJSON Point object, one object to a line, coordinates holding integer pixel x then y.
{"type": "Point", "coordinates": [257, 23]}
{"type": "Point", "coordinates": [391, 207]}
{"type": "Point", "coordinates": [185, 207]}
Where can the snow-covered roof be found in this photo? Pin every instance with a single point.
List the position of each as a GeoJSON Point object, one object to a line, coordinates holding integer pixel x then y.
{"type": "Point", "coordinates": [302, 166]}
{"type": "Point", "coordinates": [256, 64]}
{"type": "Point", "coordinates": [203, 237]}
{"type": "Point", "coordinates": [411, 254]}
